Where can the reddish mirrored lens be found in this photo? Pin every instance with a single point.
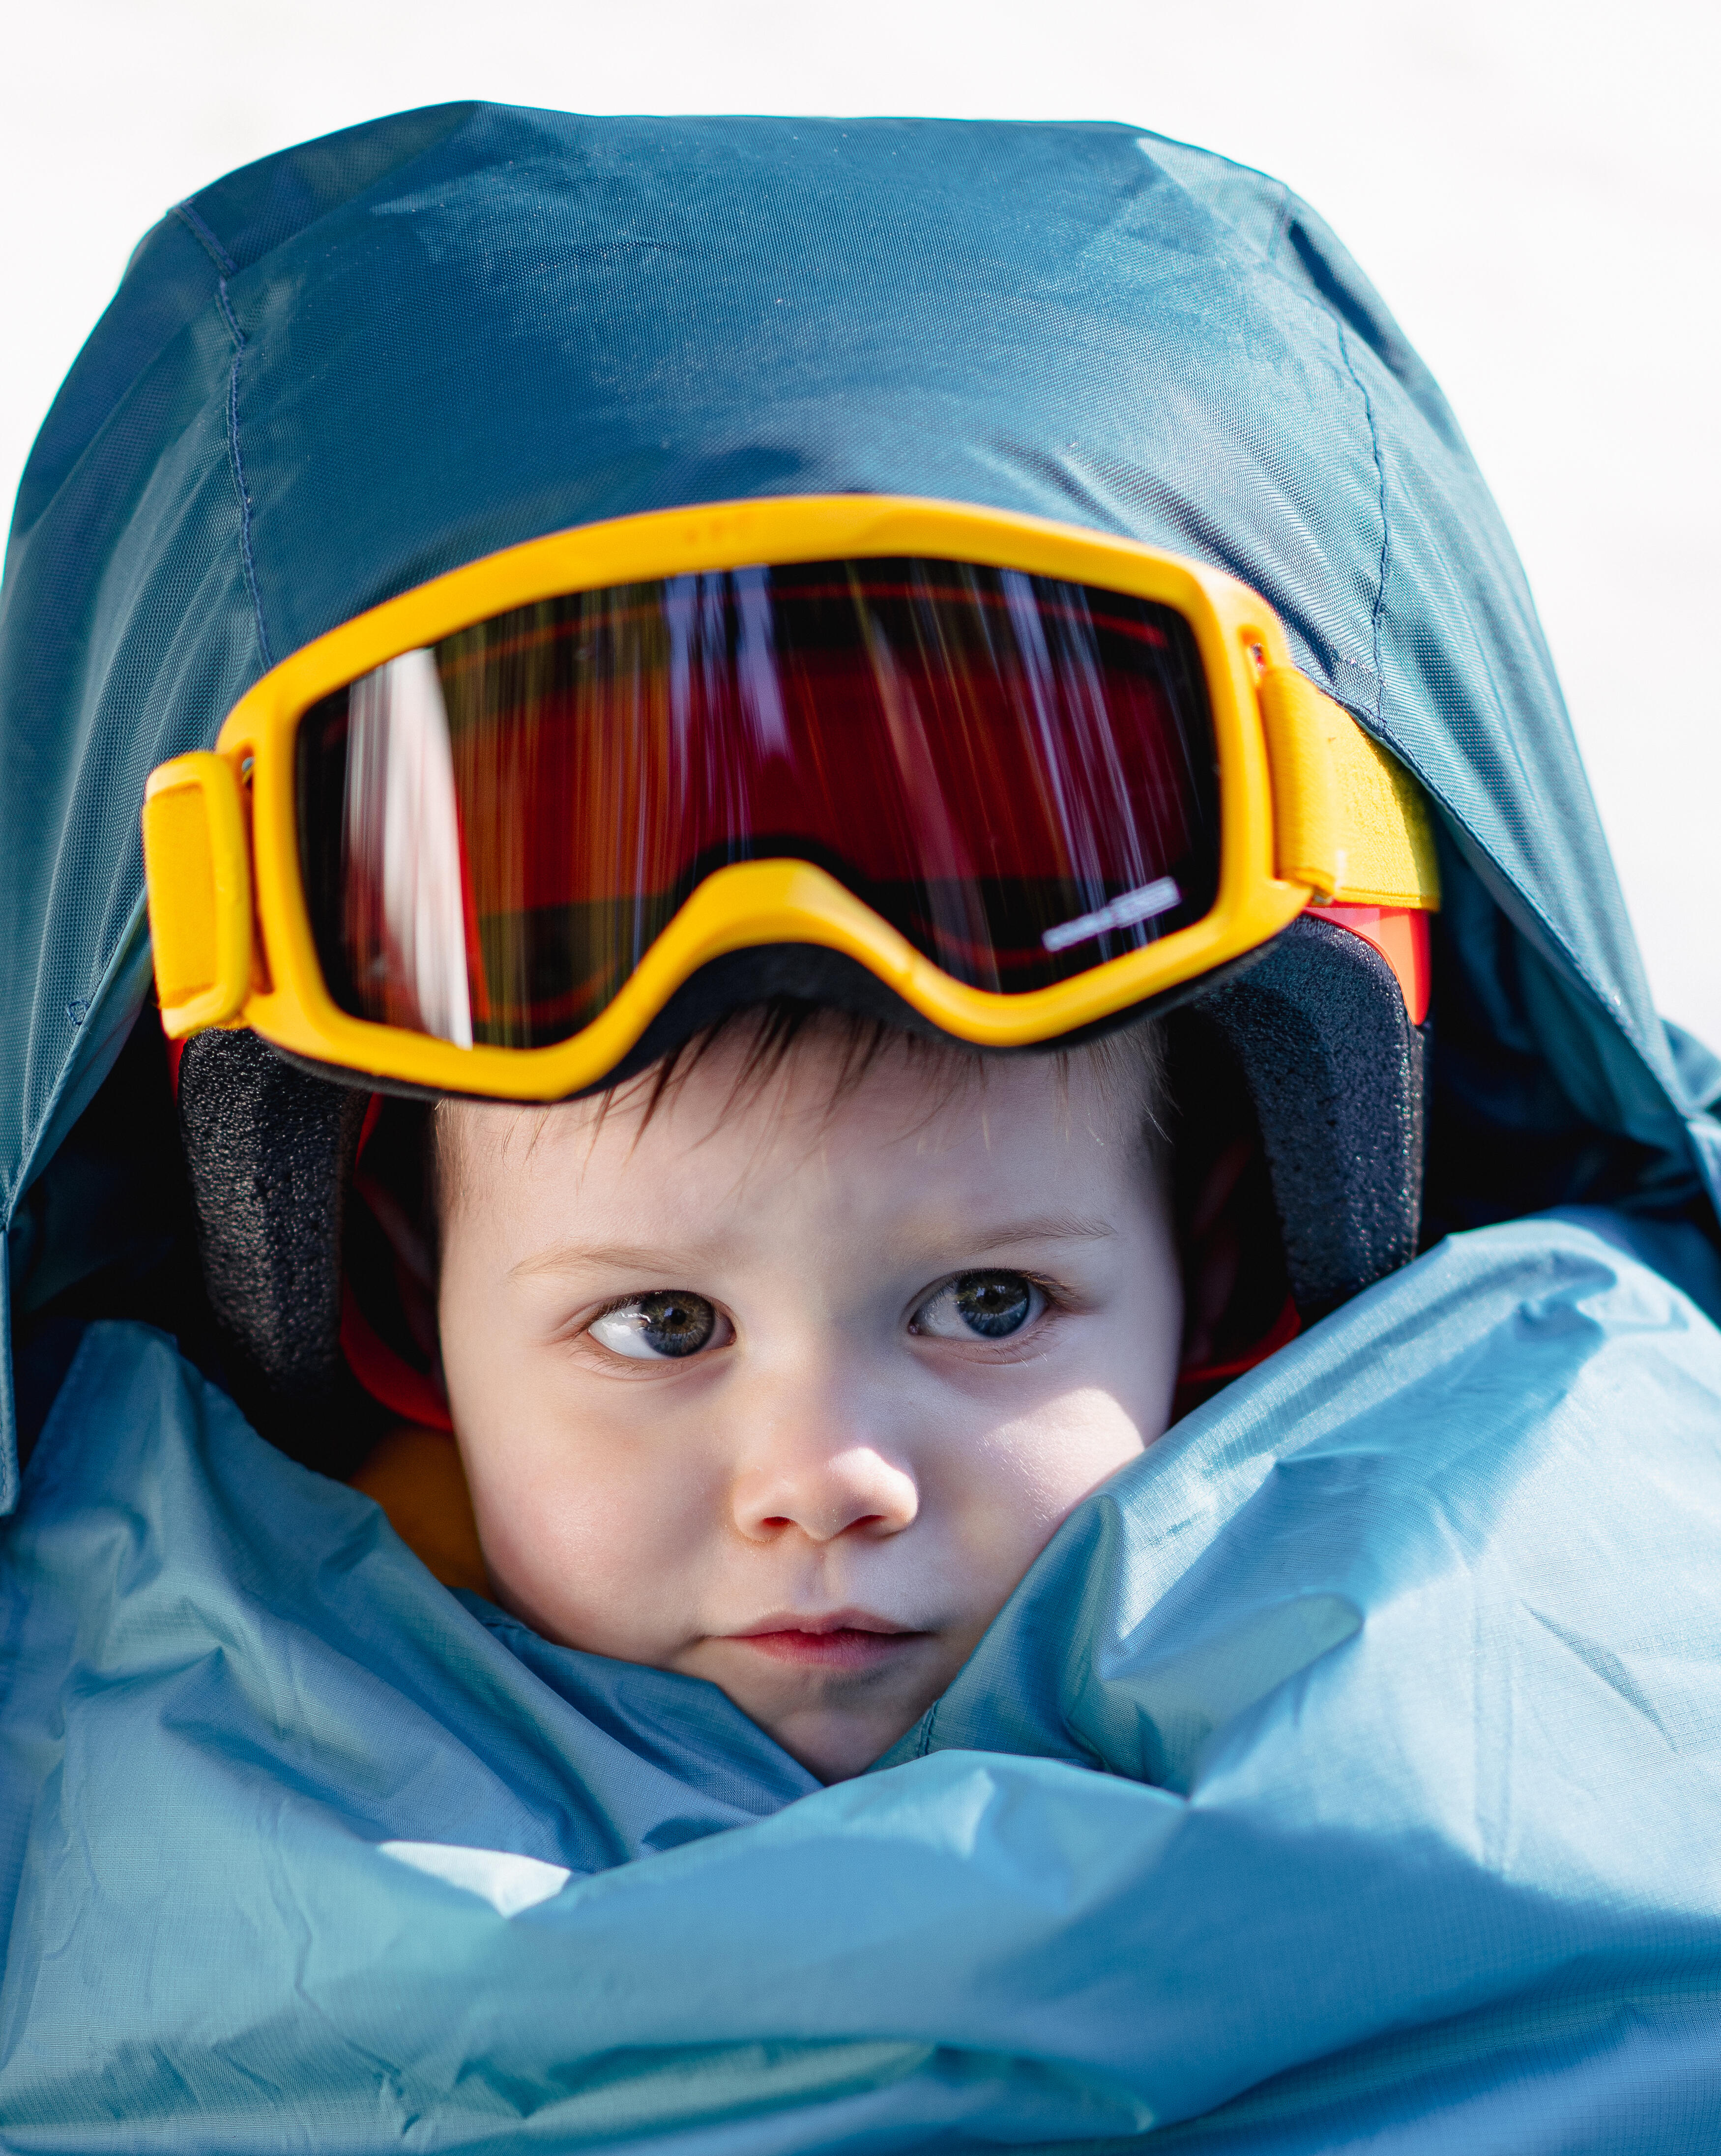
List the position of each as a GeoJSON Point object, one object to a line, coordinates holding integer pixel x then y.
{"type": "Point", "coordinates": [1018, 773]}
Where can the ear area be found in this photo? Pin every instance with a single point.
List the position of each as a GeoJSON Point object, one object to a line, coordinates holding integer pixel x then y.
{"type": "Point", "coordinates": [269, 1151]}
{"type": "Point", "coordinates": [1337, 1072]}
{"type": "Point", "coordinates": [388, 1322]}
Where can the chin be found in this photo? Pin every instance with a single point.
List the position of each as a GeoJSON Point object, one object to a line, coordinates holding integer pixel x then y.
{"type": "Point", "coordinates": [835, 1745]}
{"type": "Point", "coordinates": [836, 1759]}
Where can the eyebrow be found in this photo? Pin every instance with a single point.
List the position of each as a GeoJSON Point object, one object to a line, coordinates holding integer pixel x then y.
{"type": "Point", "coordinates": [1042, 1228]}
{"type": "Point", "coordinates": [622, 1257]}
{"type": "Point", "coordinates": [647, 1258]}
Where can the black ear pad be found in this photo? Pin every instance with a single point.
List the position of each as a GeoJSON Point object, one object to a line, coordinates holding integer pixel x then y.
{"type": "Point", "coordinates": [1337, 1073]}
{"type": "Point", "coordinates": [270, 1150]}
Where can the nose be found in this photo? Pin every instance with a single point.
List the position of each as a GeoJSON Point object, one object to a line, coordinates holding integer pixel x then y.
{"type": "Point", "coordinates": [824, 1486]}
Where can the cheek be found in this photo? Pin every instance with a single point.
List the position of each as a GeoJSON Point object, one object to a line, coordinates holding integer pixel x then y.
{"type": "Point", "coordinates": [594, 1539]}
{"type": "Point", "coordinates": [579, 1500]}
{"type": "Point", "coordinates": [1008, 1493]}
{"type": "Point", "coordinates": [1083, 1438]}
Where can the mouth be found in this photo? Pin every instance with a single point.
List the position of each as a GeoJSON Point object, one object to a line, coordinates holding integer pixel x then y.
{"type": "Point", "coordinates": [835, 1639]}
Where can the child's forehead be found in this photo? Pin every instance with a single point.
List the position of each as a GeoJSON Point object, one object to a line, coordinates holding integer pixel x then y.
{"type": "Point", "coordinates": [819, 1194]}
{"type": "Point", "coordinates": [818, 1099]}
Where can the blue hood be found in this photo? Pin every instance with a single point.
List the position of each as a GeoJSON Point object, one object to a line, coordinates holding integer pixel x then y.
{"type": "Point", "coordinates": [350, 367]}
{"type": "Point", "coordinates": [1409, 1785]}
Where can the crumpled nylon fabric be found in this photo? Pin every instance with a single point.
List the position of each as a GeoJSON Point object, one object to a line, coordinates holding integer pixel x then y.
{"type": "Point", "coordinates": [1346, 1773]}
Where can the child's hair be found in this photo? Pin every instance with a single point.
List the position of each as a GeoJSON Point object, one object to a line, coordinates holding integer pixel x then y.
{"type": "Point", "coordinates": [1129, 1064]}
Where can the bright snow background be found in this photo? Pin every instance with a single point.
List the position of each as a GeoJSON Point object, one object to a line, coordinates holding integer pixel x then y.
{"type": "Point", "coordinates": [1533, 186]}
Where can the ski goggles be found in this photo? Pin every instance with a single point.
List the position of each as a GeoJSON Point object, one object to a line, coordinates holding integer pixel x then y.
{"type": "Point", "coordinates": [1030, 777]}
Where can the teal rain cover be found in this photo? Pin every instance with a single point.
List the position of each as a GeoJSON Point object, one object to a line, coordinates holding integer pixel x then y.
{"type": "Point", "coordinates": [1347, 1773]}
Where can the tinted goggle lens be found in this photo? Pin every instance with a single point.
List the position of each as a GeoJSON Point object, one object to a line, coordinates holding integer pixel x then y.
{"type": "Point", "coordinates": [1018, 773]}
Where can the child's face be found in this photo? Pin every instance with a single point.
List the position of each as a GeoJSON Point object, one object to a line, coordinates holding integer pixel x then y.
{"type": "Point", "coordinates": [789, 1395]}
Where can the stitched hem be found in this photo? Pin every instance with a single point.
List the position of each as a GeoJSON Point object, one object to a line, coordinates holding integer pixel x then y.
{"type": "Point", "coordinates": [227, 267]}
{"type": "Point", "coordinates": [1385, 528]}
{"type": "Point", "coordinates": [205, 238]}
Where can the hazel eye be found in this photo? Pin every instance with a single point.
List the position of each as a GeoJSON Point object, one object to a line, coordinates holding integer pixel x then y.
{"type": "Point", "coordinates": [979, 1306]}
{"type": "Point", "coordinates": [658, 1327]}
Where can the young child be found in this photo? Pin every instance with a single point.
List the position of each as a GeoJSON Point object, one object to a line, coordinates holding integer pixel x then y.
{"type": "Point", "coordinates": [782, 1372]}
{"type": "Point", "coordinates": [834, 815]}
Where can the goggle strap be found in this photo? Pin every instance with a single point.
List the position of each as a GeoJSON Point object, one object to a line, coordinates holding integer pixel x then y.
{"type": "Point", "coordinates": [1349, 821]}
{"type": "Point", "coordinates": [197, 856]}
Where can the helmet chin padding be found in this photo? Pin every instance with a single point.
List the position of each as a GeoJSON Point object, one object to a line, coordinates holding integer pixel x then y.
{"type": "Point", "coordinates": [1337, 1074]}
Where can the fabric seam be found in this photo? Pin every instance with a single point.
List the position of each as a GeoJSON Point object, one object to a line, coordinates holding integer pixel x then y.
{"type": "Point", "coordinates": [1605, 1001]}
{"type": "Point", "coordinates": [1385, 528]}
{"type": "Point", "coordinates": [226, 267]}
{"type": "Point", "coordinates": [205, 238]}
{"type": "Point", "coordinates": [1282, 225]}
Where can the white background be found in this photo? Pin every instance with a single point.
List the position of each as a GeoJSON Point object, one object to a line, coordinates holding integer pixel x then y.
{"type": "Point", "coordinates": [1534, 186]}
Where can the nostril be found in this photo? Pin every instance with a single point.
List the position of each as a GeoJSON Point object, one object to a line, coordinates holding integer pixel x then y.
{"type": "Point", "coordinates": [868, 1524]}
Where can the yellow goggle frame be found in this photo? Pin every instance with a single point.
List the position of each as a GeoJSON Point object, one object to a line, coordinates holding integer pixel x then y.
{"type": "Point", "coordinates": [1311, 809]}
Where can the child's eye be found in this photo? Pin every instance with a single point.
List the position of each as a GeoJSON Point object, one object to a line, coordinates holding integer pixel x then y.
{"type": "Point", "coordinates": [990, 1306]}
{"type": "Point", "coordinates": [670, 1322]}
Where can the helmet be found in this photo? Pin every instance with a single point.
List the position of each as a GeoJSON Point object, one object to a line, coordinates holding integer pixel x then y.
{"type": "Point", "coordinates": [528, 829]}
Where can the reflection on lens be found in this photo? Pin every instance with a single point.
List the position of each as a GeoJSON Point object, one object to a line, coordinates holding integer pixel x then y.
{"type": "Point", "coordinates": [1162, 896]}
{"type": "Point", "coordinates": [402, 870]}
{"type": "Point", "coordinates": [1017, 773]}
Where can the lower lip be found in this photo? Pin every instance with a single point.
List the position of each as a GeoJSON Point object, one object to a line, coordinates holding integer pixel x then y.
{"type": "Point", "coordinates": [830, 1650]}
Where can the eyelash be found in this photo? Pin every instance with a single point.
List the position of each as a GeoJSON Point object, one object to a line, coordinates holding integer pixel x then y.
{"type": "Point", "coordinates": [637, 1304]}
{"type": "Point", "coordinates": [1055, 1302]}
{"type": "Point", "coordinates": [1054, 1297]}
